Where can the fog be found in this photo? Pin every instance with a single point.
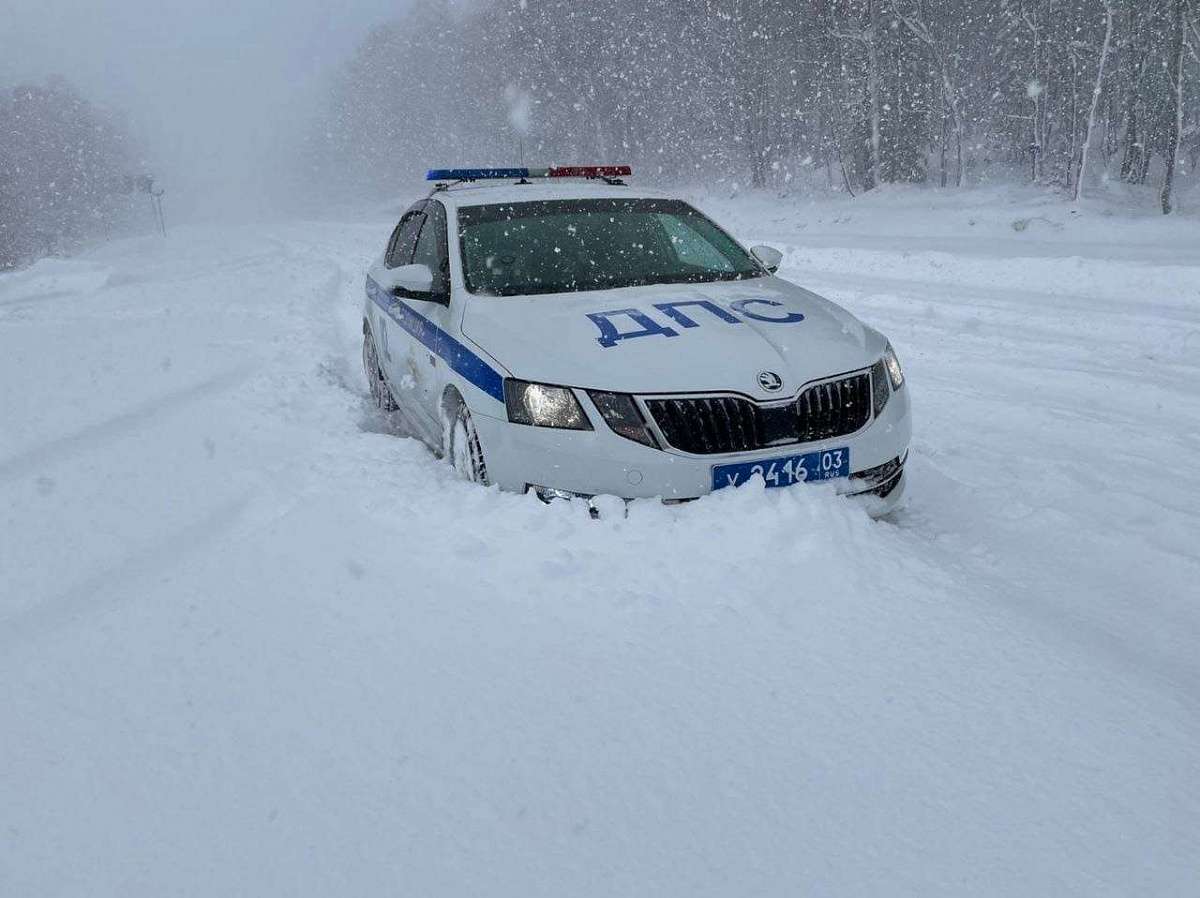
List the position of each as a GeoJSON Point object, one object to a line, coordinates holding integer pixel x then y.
{"type": "Point", "coordinates": [218, 93]}
{"type": "Point", "coordinates": [253, 110]}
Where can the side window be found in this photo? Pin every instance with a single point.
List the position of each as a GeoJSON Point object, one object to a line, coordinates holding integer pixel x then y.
{"type": "Point", "coordinates": [404, 239]}
{"type": "Point", "coordinates": [431, 248]}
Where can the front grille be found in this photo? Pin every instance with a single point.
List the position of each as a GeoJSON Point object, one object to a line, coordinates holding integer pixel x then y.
{"type": "Point", "coordinates": [835, 408]}
{"type": "Point", "coordinates": [710, 425]}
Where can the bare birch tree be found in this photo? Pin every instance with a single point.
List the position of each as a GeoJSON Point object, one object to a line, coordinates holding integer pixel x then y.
{"type": "Point", "coordinates": [920, 30]}
{"type": "Point", "coordinates": [1091, 121]}
{"type": "Point", "coordinates": [1176, 59]}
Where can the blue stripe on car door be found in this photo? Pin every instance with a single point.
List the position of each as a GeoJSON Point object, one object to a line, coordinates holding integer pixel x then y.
{"type": "Point", "coordinates": [460, 359]}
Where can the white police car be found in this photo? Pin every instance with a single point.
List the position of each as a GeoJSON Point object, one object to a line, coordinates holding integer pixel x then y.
{"type": "Point", "coordinates": [558, 331]}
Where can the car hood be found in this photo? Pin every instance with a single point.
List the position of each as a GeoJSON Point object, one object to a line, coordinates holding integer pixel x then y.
{"type": "Point", "coordinates": [561, 338]}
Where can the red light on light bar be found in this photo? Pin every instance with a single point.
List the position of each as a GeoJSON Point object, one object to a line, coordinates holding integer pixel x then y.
{"type": "Point", "coordinates": [590, 171]}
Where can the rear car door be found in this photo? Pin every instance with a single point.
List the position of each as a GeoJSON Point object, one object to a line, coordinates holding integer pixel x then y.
{"type": "Point", "coordinates": [392, 341]}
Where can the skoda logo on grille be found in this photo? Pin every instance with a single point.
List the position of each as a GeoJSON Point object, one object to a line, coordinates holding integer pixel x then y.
{"type": "Point", "coordinates": [770, 381]}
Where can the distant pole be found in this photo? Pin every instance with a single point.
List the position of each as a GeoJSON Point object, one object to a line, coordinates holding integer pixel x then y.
{"type": "Point", "coordinates": [145, 184]}
{"type": "Point", "coordinates": [156, 199]}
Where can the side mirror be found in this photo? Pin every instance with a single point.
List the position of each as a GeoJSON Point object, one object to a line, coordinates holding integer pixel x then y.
{"type": "Point", "coordinates": [769, 256]}
{"type": "Point", "coordinates": [407, 279]}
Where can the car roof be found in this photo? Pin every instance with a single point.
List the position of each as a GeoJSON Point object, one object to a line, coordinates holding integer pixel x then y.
{"type": "Point", "coordinates": [477, 194]}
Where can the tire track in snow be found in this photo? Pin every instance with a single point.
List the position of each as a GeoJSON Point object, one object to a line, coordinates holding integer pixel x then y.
{"type": "Point", "coordinates": [1005, 300]}
{"type": "Point", "coordinates": [23, 463]}
{"type": "Point", "coordinates": [991, 247]}
{"type": "Point", "coordinates": [105, 588]}
{"type": "Point", "coordinates": [37, 298]}
{"type": "Point", "coordinates": [1166, 672]}
{"type": "Point", "coordinates": [335, 313]}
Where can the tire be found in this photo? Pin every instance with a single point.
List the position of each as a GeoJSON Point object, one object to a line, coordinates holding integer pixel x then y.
{"type": "Point", "coordinates": [381, 394]}
{"type": "Point", "coordinates": [463, 449]}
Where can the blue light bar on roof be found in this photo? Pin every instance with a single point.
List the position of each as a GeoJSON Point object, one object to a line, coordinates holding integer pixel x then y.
{"type": "Point", "coordinates": [554, 171]}
{"type": "Point", "coordinates": [474, 174]}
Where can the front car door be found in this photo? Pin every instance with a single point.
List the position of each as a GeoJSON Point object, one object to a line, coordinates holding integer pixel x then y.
{"type": "Point", "coordinates": [429, 368]}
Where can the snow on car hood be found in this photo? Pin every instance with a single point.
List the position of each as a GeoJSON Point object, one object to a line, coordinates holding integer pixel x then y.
{"type": "Point", "coordinates": [689, 337]}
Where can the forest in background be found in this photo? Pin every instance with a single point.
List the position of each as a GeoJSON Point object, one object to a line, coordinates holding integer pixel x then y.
{"type": "Point", "coordinates": [68, 172]}
{"type": "Point", "coordinates": [839, 95]}
{"type": "Point", "coordinates": [765, 93]}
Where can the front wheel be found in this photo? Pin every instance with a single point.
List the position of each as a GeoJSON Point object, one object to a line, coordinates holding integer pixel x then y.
{"type": "Point", "coordinates": [462, 446]}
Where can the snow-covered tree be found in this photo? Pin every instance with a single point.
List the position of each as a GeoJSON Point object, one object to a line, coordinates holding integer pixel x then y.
{"type": "Point", "coordinates": [65, 172]}
{"type": "Point", "coordinates": [760, 92]}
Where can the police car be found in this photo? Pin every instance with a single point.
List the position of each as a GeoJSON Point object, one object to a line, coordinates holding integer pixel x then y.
{"type": "Point", "coordinates": [557, 331]}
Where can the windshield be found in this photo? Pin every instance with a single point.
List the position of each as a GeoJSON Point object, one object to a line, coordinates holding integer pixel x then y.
{"type": "Point", "coordinates": [562, 246]}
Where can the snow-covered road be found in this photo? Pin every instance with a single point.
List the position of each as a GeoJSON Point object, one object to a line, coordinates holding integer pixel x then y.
{"type": "Point", "coordinates": [253, 642]}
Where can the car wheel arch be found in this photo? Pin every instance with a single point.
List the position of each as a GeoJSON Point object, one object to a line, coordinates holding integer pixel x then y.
{"type": "Point", "coordinates": [448, 407]}
{"type": "Point", "coordinates": [456, 418]}
{"type": "Point", "coordinates": [451, 400]}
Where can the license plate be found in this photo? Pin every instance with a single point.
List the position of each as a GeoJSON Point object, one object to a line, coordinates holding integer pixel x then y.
{"type": "Point", "coordinates": [827, 464]}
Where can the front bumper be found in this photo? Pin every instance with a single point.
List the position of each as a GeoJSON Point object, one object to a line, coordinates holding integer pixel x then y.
{"type": "Point", "coordinates": [598, 462]}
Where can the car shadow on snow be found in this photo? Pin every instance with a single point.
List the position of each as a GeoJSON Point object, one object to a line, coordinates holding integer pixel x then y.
{"type": "Point", "coordinates": [373, 420]}
{"type": "Point", "coordinates": [340, 374]}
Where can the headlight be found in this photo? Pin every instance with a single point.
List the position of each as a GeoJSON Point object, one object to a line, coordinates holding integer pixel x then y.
{"type": "Point", "coordinates": [895, 372]}
{"type": "Point", "coordinates": [621, 413]}
{"type": "Point", "coordinates": [880, 391]}
{"type": "Point", "coordinates": [543, 406]}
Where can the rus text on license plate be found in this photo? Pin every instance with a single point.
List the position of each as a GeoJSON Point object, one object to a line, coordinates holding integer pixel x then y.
{"type": "Point", "coordinates": [786, 471]}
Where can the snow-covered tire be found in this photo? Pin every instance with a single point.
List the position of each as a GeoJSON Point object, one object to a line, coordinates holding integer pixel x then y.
{"type": "Point", "coordinates": [381, 394]}
{"type": "Point", "coordinates": [462, 447]}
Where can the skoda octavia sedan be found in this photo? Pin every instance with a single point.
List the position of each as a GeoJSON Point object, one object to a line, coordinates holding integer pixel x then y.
{"type": "Point", "coordinates": [559, 331]}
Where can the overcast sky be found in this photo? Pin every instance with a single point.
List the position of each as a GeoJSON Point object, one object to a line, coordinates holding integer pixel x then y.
{"type": "Point", "coordinates": [218, 89]}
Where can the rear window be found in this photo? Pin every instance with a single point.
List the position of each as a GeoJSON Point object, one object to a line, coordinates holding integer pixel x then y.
{"type": "Point", "coordinates": [564, 246]}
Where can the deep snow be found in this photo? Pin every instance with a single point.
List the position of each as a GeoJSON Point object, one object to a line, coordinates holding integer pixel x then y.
{"type": "Point", "coordinates": [252, 641]}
